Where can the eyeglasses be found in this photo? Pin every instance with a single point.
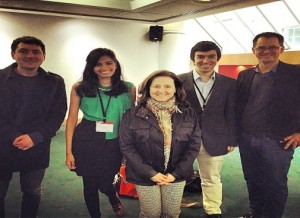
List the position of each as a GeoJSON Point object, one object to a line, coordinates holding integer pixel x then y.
{"type": "Point", "coordinates": [270, 48]}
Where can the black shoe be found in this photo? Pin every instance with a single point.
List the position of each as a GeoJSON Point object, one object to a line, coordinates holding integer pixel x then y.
{"type": "Point", "coordinates": [247, 215]}
{"type": "Point", "coordinates": [214, 215]}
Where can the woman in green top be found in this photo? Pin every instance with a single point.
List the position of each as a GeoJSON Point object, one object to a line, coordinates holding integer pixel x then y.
{"type": "Point", "coordinates": [92, 148]}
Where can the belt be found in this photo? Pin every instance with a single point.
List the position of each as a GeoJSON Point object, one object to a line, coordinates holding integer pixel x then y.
{"type": "Point", "coordinates": [269, 137]}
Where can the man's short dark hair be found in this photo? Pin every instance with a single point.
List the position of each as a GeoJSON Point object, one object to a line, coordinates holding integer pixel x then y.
{"type": "Point", "coordinates": [205, 46]}
{"type": "Point", "coordinates": [269, 35]}
{"type": "Point", "coordinates": [27, 40]}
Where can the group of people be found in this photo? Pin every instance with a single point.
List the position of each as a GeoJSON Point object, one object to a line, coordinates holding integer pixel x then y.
{"type": "Point", "coordinates": [173, 121]}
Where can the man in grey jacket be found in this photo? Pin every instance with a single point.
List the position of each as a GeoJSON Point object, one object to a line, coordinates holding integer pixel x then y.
{"type": "Point", "coordinates": [213, 97]}
{"type": "Point", "coordinates": [32, 108]}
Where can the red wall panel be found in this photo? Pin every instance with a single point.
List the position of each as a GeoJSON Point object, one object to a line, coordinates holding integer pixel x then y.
{"type": "Point", "coordinates": [232, 70]}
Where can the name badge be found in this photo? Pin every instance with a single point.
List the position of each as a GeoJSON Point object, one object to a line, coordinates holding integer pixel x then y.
{"type": "Point", "coordinates": [104, 126]}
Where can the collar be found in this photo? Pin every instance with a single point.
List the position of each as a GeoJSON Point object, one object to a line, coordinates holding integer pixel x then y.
{"type": "Point", "coordinates": [143, 111]}
{"type": "Point", "coordinates": [274, 69]}
{"type": "Point", "coordinates": [11, 69]}
{"type": "Point", "coordinates": [196, 76]}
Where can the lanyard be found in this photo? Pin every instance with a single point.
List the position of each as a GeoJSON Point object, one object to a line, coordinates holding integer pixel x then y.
{"type": "Point", "coordinates": [102, 106]}
{"type": "Point", "coordinates": [201, 95]}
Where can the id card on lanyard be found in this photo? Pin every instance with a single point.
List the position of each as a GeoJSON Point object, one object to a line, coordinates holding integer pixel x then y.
{"type": "Point", "coordinates": [103, 126]}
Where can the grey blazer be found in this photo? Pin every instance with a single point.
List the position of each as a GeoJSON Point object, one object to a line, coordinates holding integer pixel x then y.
{"type": "Point", "coordinates": [218, 121]}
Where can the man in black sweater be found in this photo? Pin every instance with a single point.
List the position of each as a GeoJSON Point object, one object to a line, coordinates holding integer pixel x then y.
{"type": "Point", "coordinates": [32, 108]}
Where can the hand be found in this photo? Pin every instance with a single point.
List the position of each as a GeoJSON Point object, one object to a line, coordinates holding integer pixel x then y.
{"type": "Point", "coordinates": [292, 140]}
{"type": "Point", "coordinates": [170, 177]}
{"type": "Point", "coordinates": [23, 142]}
{"type": "Point", "coordinates": [160, 179]}
{"type": "Point", "coordinates": [230, 149]}
{"type": "Point", "coordinates": [70, 161]}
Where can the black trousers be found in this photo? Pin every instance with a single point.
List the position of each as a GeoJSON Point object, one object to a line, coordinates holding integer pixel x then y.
{"type": "Point", "coordinates": [91, 188]}
{"type": "Point", "coordinates": [31, 192]}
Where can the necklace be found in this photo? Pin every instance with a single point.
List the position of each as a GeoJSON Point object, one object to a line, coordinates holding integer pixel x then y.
{"type": "Point", "coordinates": [104, 89]}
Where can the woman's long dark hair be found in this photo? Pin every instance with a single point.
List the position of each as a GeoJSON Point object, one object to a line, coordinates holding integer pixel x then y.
{"type": "Point", "coordinates": [89, 84]}
{"type": "Point", "coordinates": [144, 88]}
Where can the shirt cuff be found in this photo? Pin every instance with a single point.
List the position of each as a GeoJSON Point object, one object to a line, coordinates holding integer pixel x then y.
{"type": "Point", "coordinates": [36, 138]}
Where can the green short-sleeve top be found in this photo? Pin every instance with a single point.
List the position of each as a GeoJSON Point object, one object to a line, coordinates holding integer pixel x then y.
{"type": "Point", "coordinates": [92, 111]}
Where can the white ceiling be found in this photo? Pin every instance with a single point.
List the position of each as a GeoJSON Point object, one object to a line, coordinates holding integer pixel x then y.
{"type": "Point", "coordinates": [147, 11]}
{"type": "Point", "coordinates": [234, 30]}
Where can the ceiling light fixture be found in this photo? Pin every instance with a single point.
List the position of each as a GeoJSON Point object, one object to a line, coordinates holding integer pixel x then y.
{"type": "Point", "coordinates": [204, 1]}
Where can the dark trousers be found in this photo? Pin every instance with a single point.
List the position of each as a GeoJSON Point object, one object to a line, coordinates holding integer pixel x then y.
{"type": "Point", "coordinates": [91, 188]}
{"type": "Point", "coordinates": [31, 192]}
{"type": "Point", "coordinates": [265, 165]}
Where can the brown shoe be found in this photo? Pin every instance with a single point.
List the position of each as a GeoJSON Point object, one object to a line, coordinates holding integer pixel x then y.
{"type": "Point", "coordinates": [119, 210]}
{"type": "Point", "coordinates": [247, 215]}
